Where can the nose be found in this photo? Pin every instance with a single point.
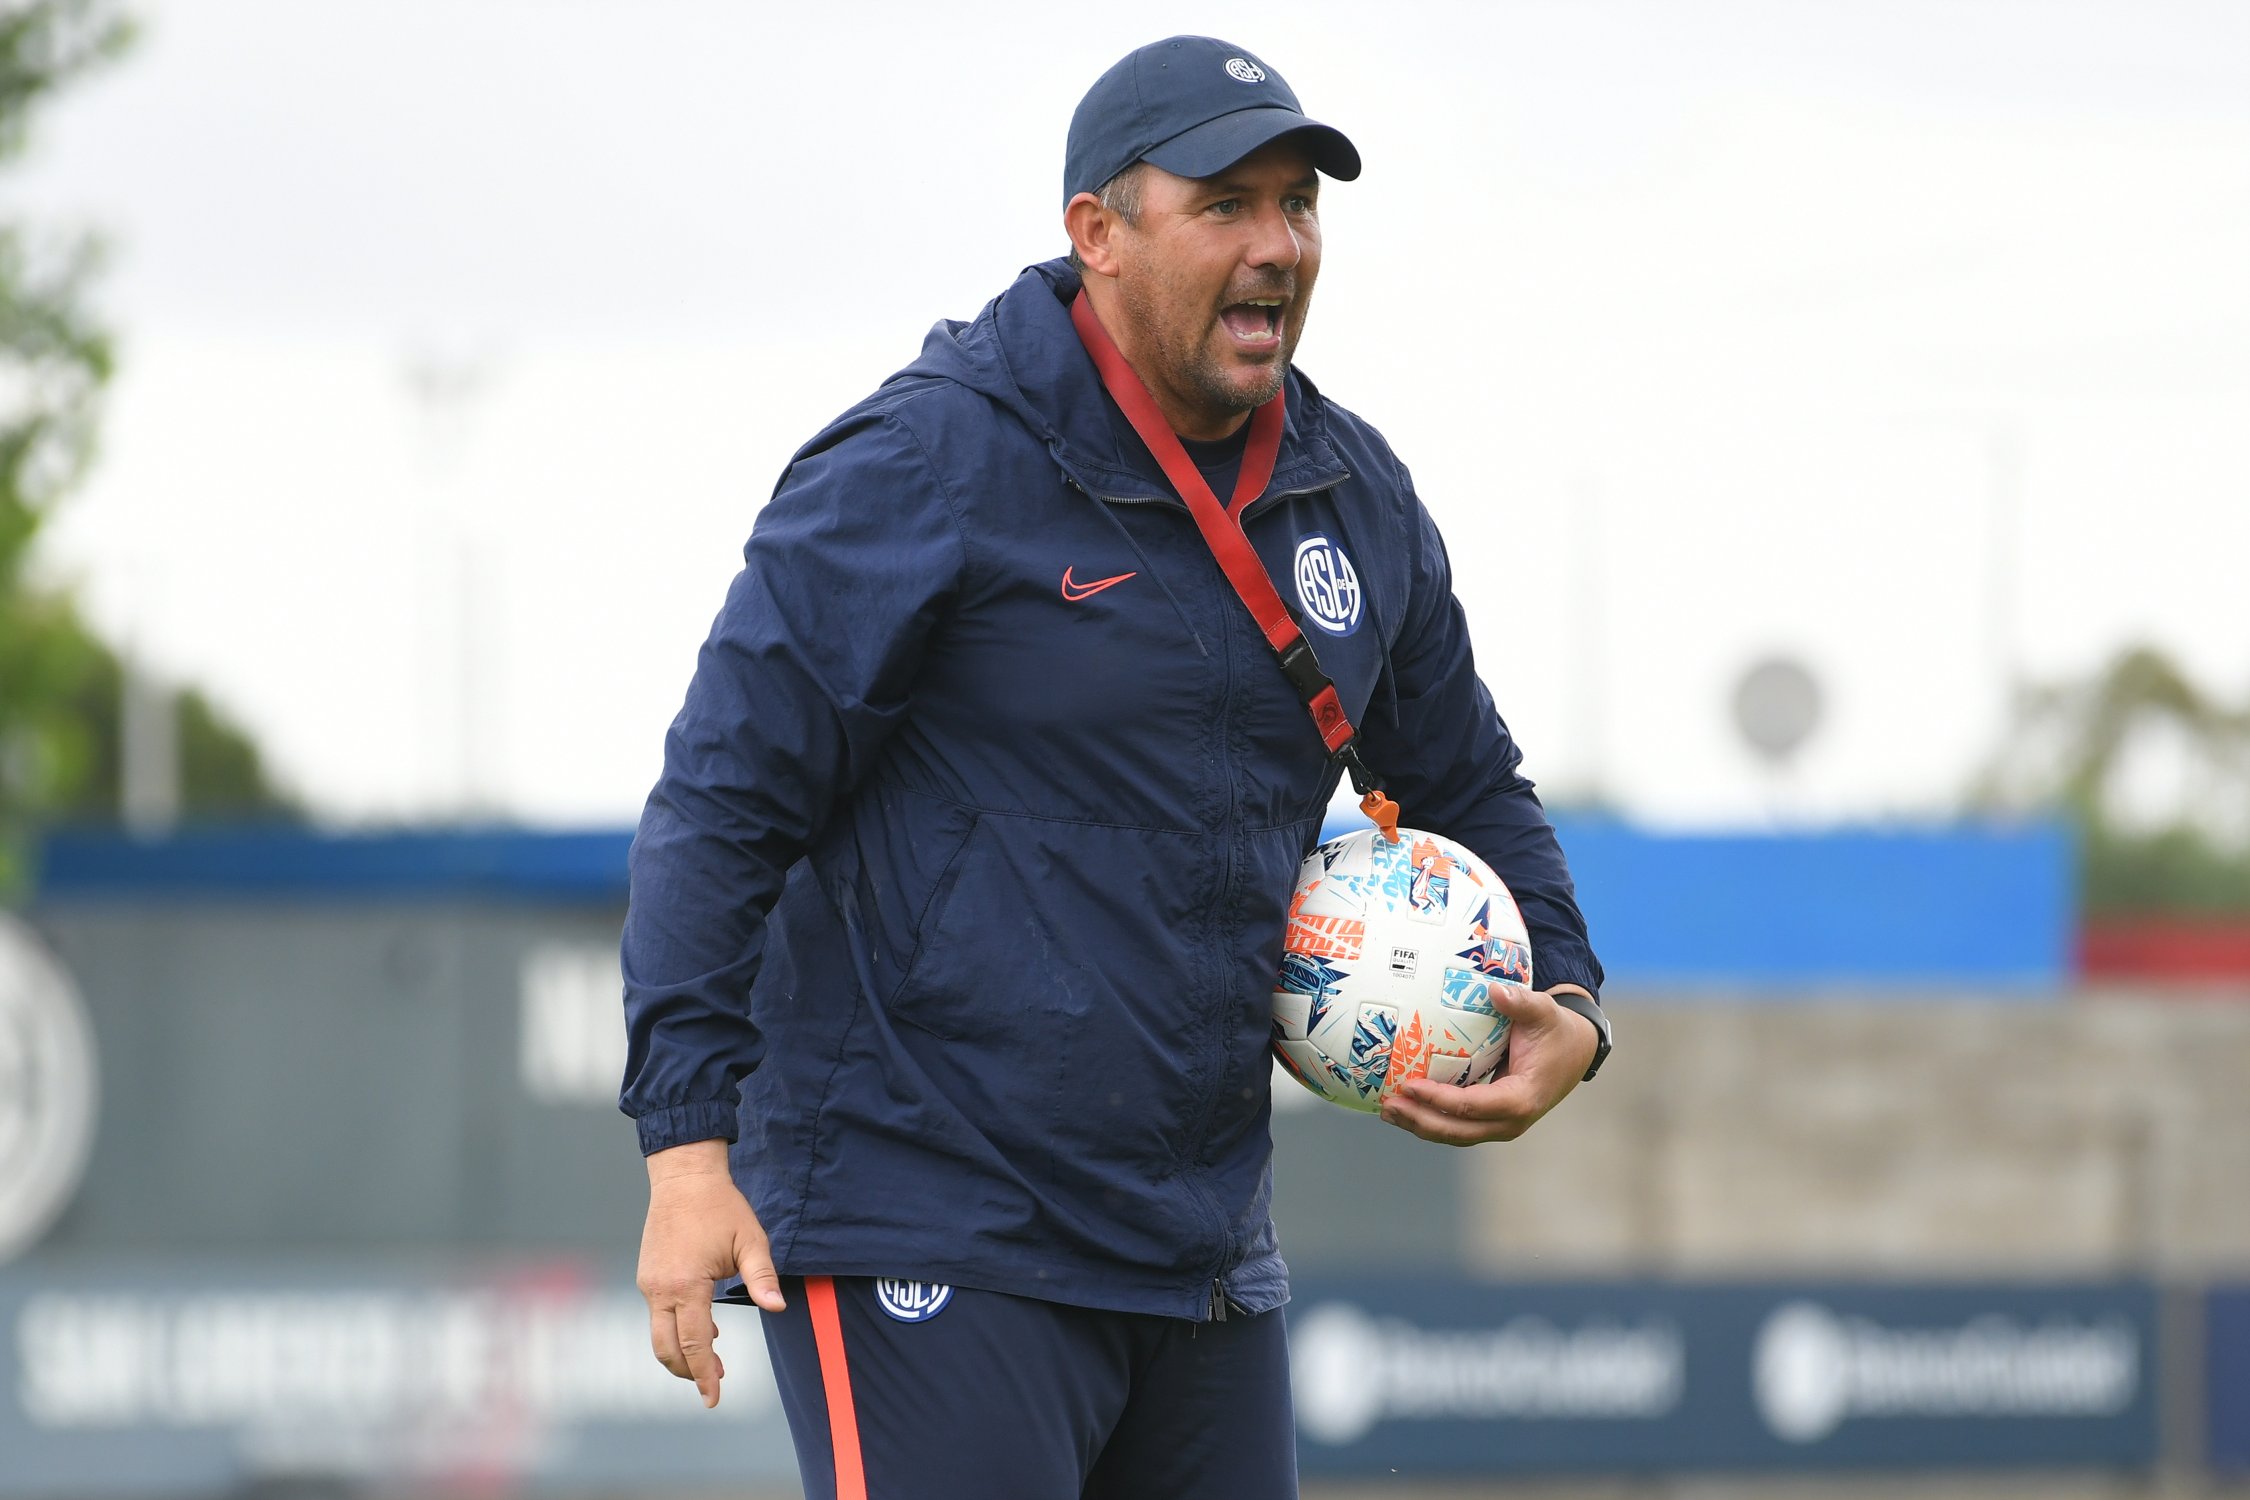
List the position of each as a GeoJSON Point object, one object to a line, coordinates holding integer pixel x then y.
{"type": "Point", "coordinates": [1276, 242]}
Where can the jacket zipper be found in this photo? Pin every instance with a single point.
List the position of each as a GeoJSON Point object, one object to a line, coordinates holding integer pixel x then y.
{"type": "Point", "coordinates": [1216, 1309]}
{"type": "Point", "coordinates": [1209, 1102]}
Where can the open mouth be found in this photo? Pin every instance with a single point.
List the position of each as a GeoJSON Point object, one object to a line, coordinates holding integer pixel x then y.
{"type": "Point", "coordinates": [1255, 324]}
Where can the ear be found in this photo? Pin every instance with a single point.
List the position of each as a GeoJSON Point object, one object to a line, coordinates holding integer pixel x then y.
{"type": "Point", "coordinates": [1093, 232]}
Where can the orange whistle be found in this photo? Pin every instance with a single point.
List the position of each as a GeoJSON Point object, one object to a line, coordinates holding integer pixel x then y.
{"type": "Point", "coordinates": [1383, 811]}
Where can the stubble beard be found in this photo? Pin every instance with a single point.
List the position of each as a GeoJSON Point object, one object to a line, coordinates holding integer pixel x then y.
{"type": "Point", "coordinates": [1187, 363]}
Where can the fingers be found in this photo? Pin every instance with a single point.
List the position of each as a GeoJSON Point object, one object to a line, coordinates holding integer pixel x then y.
{"type": "Point", "coordinates": [697, 1335]}
{"type": "Point", "coordinates": [1520, 1005]}
{"type": "Point", "coordinates": [755, 1265]}
{"type": "Point", "coordinates": [682, 1335]}
{"type": "Point", "coordinates": [1539, 1073]}
{"type": "Point", "coordinates": [1549, 1048]}
{"type": "Point", "coordinates": [1498, 1111]}
{"type": "Point", "coordinates": [664, 1338]}
{"type": "Point", "coordinates": [699, 1228]}
{"type": "Point", "coordinates": [1430, 1124]}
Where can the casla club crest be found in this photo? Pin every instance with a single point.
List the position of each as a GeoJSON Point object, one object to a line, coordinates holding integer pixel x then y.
{"type": "Point", "coordinates": [911, 1301]}
{"type": "Point", "coordinates": [1327, 585]}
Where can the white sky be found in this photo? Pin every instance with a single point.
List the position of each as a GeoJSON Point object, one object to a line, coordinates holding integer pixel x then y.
{"type": "Point", "coordinates": [1708, 330]}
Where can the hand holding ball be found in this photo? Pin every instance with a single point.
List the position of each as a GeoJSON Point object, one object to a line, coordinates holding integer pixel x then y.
{"type": "Point", "coordinates": [1387, 969]}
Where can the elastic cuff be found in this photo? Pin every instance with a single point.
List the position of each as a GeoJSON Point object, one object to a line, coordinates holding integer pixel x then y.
{"type": "Point", "coordinates": [662, 1129]}
{"type": "Point", "coordinates": [1549, 970]}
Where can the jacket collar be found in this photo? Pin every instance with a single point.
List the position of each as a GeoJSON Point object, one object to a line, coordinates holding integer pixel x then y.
{"type": "Point", "coordinates": [1031, 334]}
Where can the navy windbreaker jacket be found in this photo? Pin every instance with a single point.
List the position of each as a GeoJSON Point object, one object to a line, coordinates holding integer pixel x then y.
{"type": "Point", "coordinates": [959, 902]}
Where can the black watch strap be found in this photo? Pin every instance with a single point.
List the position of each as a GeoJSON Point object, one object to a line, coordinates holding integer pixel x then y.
{"type": "Point", "coordinates": [1571, 1000]}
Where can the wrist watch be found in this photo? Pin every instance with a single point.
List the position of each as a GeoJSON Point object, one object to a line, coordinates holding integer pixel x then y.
{"type": "Point", "coordinates": [1586, 1006]}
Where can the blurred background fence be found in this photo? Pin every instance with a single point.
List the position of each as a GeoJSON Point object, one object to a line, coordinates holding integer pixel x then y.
{"type": "Point", "coordinates": [353, 1206]}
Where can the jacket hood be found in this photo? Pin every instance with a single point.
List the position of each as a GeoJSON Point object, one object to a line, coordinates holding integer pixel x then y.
{"type": "Point", "coordinates": [1022, 352]}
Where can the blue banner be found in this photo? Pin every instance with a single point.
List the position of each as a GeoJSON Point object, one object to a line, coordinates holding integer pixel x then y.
{"type": "Point", "coordinates": [2226, 1352]}
{"type": "Point", "coordinates": [1842, 910]}
{"type": "Point", "coordinates": [1427, 1377]}
{"type": "Point", "coordinates": [177, 1377]}
{"type": "Point", "coordinates": [1991, 906]}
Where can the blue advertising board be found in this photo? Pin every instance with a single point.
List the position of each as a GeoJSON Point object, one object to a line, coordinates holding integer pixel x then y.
{"type": "Point", "coordinates": [173, 1376]}
{"type": "Point", "coordinates": [304, 865]}
{"type": "Point", "coordinates": [1792, 914]}
{"type": "Point", "coordinates": [1989, 906]}
{"type": "Point", "coordinates": [180, 1377]}
{"type": "Point", "coordinates": [2226, 1380]}
{"type": "Point", "coordinates": [1458, 1378]}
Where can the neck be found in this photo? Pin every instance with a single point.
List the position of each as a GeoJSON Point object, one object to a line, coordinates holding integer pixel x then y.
{"type": "Point", "coordinates": [1199, 423]}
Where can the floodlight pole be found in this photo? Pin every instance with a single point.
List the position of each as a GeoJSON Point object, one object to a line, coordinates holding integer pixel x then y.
{"type": "Point", "coordinates": [1591, 638]}
{"type": "Point", "coordinates": [148, 727]}
{"type": "Point", "coordinates": [149, 749]}
{"type": "Point", "coordinates": [2003, 447]}
{"type": "Point", "coordinates": [443, 389]}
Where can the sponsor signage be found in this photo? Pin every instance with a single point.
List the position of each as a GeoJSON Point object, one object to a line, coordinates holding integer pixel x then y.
{"type": "Point", "coordinates": [47, 1088]}
{"type": "Point", "coordinates": [172, 1377]}
{"type": "Point", "coordinates": [2226, 1350]}
{"type": "Point", "coordinates": [1435, 1377]}
{"type": "Point", "coordinates": [168, 1379]}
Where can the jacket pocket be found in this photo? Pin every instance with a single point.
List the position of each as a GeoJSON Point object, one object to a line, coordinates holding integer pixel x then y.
{"type": "Point", "coordinates": [930, 921]}
{"type": "Point", "coordinates": [887, 876]}
{"type": "Point", "coordinates": [942, 991]}
{"type": "Point", "coordinates": [1001, 958]}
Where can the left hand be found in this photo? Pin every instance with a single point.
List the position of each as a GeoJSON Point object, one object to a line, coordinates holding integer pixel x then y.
{"type": "Point", "coordinates": [1549, 1051]}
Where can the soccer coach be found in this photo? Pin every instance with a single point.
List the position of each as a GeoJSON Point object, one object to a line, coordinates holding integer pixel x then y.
{"type": "Point", "coordinates": [958, 905]}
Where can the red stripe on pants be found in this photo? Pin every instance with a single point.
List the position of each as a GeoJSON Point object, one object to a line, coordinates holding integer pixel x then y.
{"type": "Point", "coordinates": [836, 1381]}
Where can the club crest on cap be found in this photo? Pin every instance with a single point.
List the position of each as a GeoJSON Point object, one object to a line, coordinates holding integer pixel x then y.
{"type": "Point", "coordinates": [1177, 105]}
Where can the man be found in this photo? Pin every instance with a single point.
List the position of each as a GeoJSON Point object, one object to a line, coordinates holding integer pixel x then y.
{"type": "Point", "coordinates": [958, 906]}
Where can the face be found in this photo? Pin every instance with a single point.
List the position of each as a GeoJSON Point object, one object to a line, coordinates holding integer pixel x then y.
{"type": "Point", "coordinates": [1213, 283]}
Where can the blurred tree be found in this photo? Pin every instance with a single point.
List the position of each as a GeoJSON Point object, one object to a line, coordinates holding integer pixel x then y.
{"type": "Point", "coordinates": [61, 687]}
{"type": "Point", "coordinates": [2074, 745]}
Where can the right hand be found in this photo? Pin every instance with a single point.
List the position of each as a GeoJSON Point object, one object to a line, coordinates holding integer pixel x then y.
{"type": "Point", "coordinates": [699, 1230]}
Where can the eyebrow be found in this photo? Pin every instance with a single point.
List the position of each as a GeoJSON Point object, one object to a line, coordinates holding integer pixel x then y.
{"type": "Point", "coordinates": [1309, 180]}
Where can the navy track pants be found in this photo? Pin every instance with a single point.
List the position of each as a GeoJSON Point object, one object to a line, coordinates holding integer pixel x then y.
{"type": "Point", "coordinates": [902, 1390]}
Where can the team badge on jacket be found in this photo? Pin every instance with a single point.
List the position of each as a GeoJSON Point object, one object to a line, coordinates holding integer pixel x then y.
{"type": "Point", "coordinates": [1327, 585]}
{"type": "Point", "coordinates": [911, 1301]}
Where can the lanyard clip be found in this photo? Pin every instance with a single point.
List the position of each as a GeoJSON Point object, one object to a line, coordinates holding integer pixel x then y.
{"type": "Point", "coordinates": [1380, 810]}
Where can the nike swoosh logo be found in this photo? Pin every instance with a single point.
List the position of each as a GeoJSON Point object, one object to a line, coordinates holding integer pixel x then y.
{"type": "Point", "coordinates": [1074, 591]}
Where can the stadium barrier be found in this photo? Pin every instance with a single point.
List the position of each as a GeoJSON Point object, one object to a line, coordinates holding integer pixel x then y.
{"type": "Point", "coordinates": [1656, 1377]}
{"type": "Point", "coordinates": [175, 1377]}
{"type": "Point", "coordinates": [2226, 1380]}
{"type": "Point", "coordinates": [172, 1377]}
{"type": "Point", "coordinates": [1790, 914]}
{"type": "Point", "coordinates": [2202, 951]}
{"type": "Point", "coordinates": [254, 999]}
{"type": "Point", "coordinates": [1794, 915]}
{"type": "Point", "coordinates": [1838, 911]}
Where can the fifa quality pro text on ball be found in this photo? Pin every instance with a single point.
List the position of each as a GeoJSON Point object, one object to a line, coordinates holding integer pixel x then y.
{"type": "Point", "coordinates": [1388, 968]}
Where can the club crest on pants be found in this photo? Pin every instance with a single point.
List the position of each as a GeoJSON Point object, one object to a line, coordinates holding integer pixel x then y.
{"type": "Point", "coordinates": [911, 1301]}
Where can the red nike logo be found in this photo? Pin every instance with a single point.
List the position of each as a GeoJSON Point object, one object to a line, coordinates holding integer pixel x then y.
{"type": "Point", "coordinates": [1074, 591]}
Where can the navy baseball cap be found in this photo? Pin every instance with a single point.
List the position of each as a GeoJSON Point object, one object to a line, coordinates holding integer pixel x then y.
{"type": "Point", "coordinates": [1191, 105]}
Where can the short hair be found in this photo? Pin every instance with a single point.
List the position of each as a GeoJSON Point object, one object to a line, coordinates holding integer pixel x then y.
{"type": "Point", "coordinates": [1121, 195]}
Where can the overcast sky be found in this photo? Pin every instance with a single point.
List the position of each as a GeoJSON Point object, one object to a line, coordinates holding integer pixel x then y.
{"type": "Point", "coordinates": [1910, 340]}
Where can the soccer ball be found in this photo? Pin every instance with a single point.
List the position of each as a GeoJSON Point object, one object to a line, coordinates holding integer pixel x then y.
{"type": "Point", "coordinates": [1386, 968]}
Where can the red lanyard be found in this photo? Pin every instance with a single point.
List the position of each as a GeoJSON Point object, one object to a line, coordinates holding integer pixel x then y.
{"type": "Point", "coordinates": [1222, 532]}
